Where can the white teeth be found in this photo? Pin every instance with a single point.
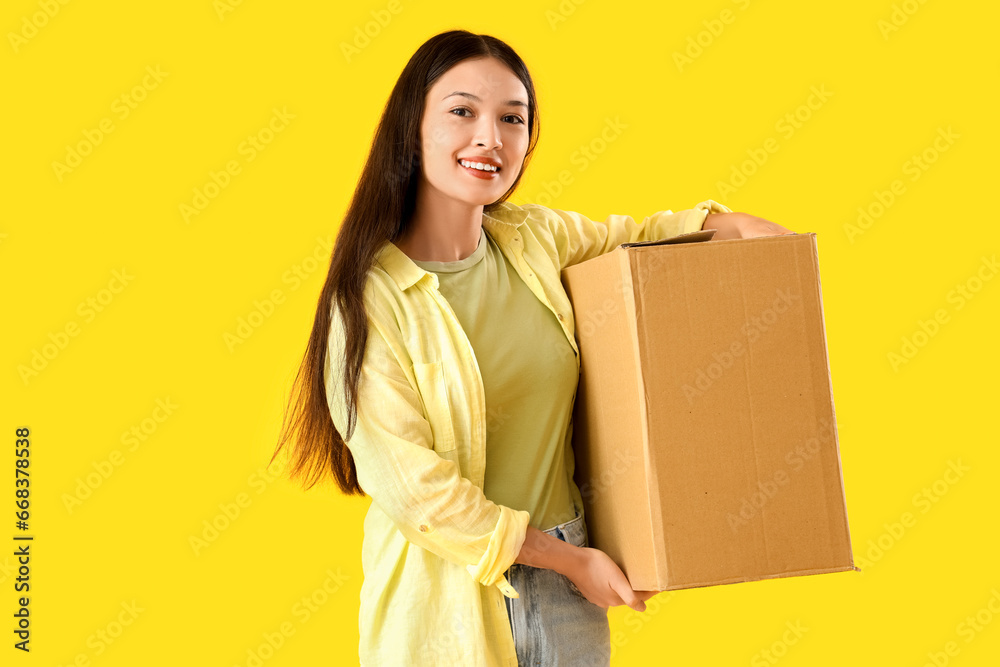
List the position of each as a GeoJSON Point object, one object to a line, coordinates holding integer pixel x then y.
{"type": "Point", "coordinates": [477, 165]}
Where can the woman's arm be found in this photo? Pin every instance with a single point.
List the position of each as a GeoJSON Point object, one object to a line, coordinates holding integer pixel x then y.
{"type": "Point", "coordinates": [577, 238]}
{"type": "Point", "coordinates": [423, 493]}
{"type": "Point", "coordinates": [741, 226]}
{"type": "Point", "coordinates": [592, 571]}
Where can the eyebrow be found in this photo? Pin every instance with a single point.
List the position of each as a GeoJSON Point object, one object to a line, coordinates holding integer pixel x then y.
{"type": "Point", "coordinates": [510, 103]}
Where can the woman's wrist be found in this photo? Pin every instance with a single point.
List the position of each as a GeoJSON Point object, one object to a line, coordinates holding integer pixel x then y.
{"type": "Point", "coordinates": [726, 225]}
{"type": "Point", "coordinates": [737, 225]}
{"type": "Point", "coordinates": [540, 549]}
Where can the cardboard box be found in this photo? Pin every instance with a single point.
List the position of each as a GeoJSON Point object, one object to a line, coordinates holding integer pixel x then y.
{"type": "Point", "coordinates": [704, 428]}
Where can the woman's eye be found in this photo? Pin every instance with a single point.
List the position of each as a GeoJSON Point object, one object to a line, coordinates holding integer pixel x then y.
{"type": "Point", "coordinates": [516, 120]}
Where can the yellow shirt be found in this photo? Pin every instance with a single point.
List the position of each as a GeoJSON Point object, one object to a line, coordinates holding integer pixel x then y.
{"type": "Point", "coordinates": [435, 548]}
{"type": "Point", "coordinates": [529, 388]}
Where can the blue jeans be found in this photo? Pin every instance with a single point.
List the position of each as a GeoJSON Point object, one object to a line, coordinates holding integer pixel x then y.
{"type": "Point", "coordinates": [552, 623]}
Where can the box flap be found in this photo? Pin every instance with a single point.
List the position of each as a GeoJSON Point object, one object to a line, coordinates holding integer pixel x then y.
{"type": "Point", "coordinates": [689, 237]}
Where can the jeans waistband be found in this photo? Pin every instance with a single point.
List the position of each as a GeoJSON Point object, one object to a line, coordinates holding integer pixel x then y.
{"type": "Point", "coordinates": [572, 531]}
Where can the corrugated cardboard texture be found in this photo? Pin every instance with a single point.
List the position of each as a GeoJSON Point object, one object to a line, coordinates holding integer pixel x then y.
{"type": "Point", "coordinates": [705, 431]}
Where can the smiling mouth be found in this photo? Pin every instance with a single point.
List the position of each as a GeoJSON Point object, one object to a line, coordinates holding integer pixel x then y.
{"type": "Point", "coordinates": [479, 166]}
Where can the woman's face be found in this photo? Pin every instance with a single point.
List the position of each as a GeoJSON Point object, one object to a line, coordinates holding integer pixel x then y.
{"type": "Point", "coordinates": [476, 112]}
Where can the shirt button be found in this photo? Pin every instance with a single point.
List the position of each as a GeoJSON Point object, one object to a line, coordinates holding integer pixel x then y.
{"type": "Point", "coordinates": [423, 528]}
{"type": "Point", "coordinates": [561, 318]}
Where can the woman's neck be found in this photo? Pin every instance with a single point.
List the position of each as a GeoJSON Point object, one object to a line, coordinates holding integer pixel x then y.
{"type": "Point", "coordinates": [442, 230]}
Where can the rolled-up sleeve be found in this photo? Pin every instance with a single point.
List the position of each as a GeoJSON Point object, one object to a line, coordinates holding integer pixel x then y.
{"type": "Point", "coordinates": [579, 238]}
{"type": "Point", "coordinates": [423, 493]}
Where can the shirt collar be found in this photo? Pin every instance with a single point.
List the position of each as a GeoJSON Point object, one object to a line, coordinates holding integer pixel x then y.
{"type": "Point", "coordinates": [501, 224]}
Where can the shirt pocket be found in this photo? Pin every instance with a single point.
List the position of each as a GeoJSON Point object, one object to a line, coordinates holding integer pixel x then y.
{"type": "Point", "coordinates": [434, 395]}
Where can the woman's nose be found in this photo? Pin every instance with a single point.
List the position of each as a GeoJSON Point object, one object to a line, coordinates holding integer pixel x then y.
{"type": "Point", "coordinates": [488, 134]}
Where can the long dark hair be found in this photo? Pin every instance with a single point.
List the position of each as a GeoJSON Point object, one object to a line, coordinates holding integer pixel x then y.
{"type": "Point", "coordinates": [380, 211]}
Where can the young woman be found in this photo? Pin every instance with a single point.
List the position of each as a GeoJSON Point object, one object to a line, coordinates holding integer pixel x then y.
{"type": "Point", "coordinates": [441, 372]}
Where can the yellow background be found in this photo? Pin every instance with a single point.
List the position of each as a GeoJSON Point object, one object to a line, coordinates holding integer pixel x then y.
{"type": "Point", "coordinates": [162, 335]}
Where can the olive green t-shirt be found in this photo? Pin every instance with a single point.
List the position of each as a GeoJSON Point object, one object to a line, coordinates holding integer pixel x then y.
{"type": "Point", "coordinates": [529, 385]}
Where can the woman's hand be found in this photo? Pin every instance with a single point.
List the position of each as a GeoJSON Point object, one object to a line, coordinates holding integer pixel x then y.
{"type": "Point", "coordinates": [602, 582]}
{"type": "Point", "coordinates": [741, 226]}
{"type": "Point", "coordinates": [592, 571]}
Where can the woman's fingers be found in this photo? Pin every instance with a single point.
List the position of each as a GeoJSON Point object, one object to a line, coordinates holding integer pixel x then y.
{"type": "Point", "coordinates": [645, 595]}
{"type": "Point", "coordinates": [629, 596]}
{"type": "Point", "coordinates": [601, 581]}
{"type": "Point", "coordinates": [621, 586]}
